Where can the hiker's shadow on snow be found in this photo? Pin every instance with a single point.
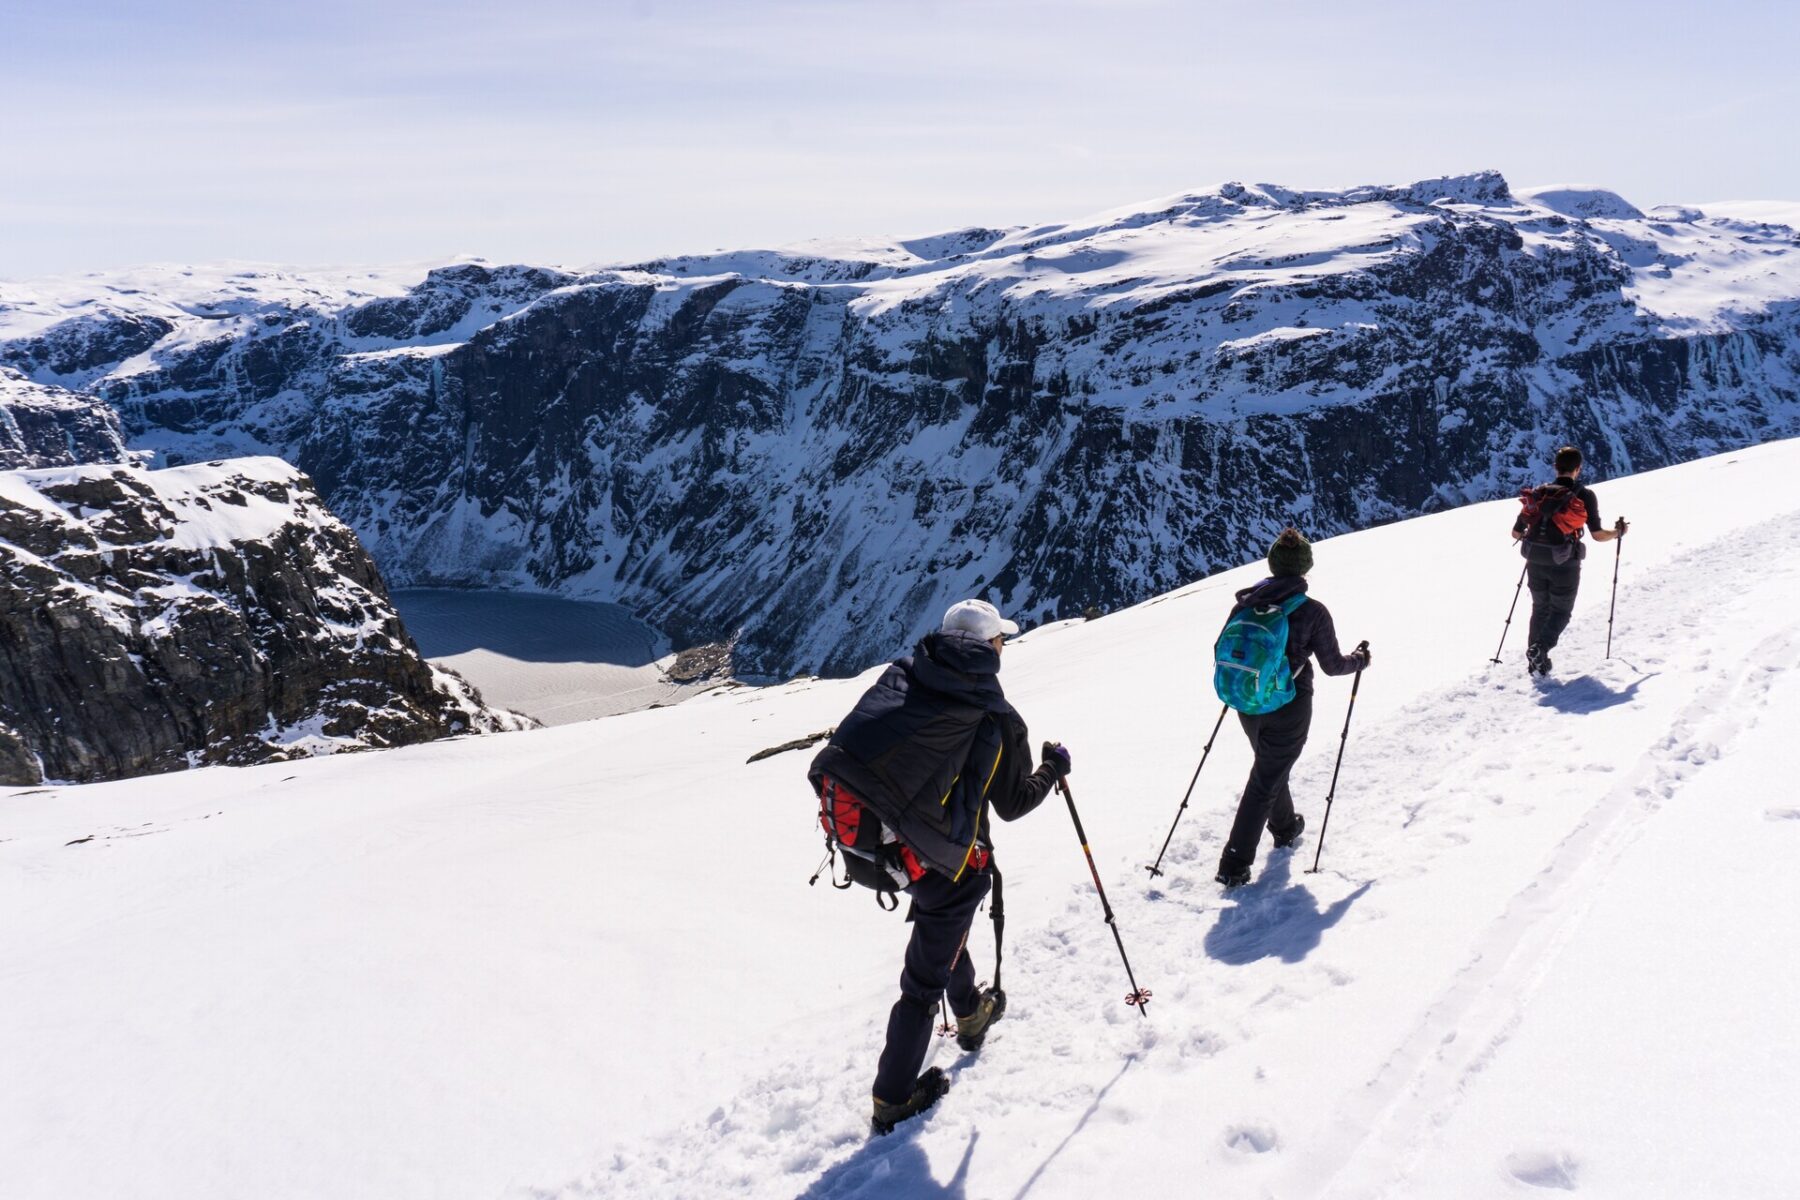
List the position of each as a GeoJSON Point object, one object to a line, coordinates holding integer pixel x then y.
{"type": "Point", "coordinates": [895, 1165]}
{"type": "Point", "coordinates": [1585, 694]}
{"type": "Point", "coordinates": [1274, 918]}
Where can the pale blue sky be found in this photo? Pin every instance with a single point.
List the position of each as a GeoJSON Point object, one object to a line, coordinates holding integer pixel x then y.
{"type": "Point", "coordinates": [577, 133]}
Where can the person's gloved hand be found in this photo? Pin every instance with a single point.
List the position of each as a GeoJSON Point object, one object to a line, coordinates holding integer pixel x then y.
{"type": "Point", "coordinates": [1056, 757]}
{"type": "Point", "coordinates": [1620, 526]}
{"type": "Point", "coordinates": [1364, 656]}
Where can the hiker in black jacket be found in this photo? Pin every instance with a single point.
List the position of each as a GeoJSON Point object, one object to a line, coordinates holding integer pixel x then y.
{"type": "Point", "coordinates": [930, 749]}
{"type": "Point", "coordinates": [1553, 557]}
{"type": "Point", "coordinates": [1277, 738]}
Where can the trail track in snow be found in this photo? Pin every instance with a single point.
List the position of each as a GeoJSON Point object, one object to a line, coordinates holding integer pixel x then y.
{"type": "Point", "coordinates": [1384, 1130]}
{"type": "Point", "coordinates": [1418, 789]}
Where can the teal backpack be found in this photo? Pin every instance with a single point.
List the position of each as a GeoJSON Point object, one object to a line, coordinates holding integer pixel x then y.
{"type": "Point", "coordinates": [1252, 673]}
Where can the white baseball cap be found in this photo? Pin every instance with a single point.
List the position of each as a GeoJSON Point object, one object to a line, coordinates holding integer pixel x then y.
{"type": "Point", "coordinates": [979, 618]}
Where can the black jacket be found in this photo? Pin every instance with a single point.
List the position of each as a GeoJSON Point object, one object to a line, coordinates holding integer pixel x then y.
{"type": "Point", "coordinates": [1311, 633]}
{"type": "Point", "coordinates": [931, 745]}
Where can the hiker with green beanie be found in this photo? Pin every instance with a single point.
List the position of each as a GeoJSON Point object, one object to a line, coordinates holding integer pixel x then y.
{"type": "Point", "coordinates": [1278, 735]}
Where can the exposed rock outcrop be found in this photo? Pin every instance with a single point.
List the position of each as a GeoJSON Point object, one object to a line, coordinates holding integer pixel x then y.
{"type": "Point", "coordinates": [45, 426]}
{"type": "Point", "coordinates": [152, 620]}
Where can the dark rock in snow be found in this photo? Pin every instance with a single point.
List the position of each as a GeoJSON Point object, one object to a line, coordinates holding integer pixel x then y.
{"type": "Point", "coordinates": [45, 426]}
{"type": "Point", "coordinates": [699, 663]}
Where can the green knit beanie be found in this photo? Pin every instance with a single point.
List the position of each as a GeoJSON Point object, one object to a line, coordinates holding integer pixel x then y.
{"type": "Point", "coordinates": [1290, 555]}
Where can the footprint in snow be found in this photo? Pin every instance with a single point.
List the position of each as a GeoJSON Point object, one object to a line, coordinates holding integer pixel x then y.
{"type": "Point", "coordinates": [1782, 814]}
{"type": "Point", "coordinates": [1544, 1168]}
{"type": "Point", "coordinates": [1251, 1139]}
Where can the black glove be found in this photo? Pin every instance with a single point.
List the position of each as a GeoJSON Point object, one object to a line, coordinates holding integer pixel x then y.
{"type": "Point", "coordinates": [1056, 759]}
{"type": "Point", "coordinates": [1363, 656]}
{"type": "Point", "coordinates": [1620, 526]}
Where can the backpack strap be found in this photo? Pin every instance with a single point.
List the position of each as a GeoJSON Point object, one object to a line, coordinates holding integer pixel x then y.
{"type": "Point", "coordinates": [1287, 606]}
{"type": "Point", "coordinates": [830, 860]}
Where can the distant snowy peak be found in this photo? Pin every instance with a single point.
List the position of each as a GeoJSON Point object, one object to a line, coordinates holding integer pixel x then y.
{"type": "Point", "coordinates": [73, 330]}
{"type": "Point", "coordinates": [177, 293]}
{"type": "Point", "coordinates": [1582, 202]}
{"type": "Point", "coordinates": [1683, 267]}
{"type": "Point", "coordinates": [79, 332]}
{"type": "Point", "coordinates": [862, 260]}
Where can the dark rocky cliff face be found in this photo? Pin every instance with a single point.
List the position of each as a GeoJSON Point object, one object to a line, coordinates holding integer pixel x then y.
{"type": "Point", "coordinates": [208, 614]}
{"type": "Point", "coordinates": [815, 452]}
{"type": "Point", "coordinates": [43, 426]}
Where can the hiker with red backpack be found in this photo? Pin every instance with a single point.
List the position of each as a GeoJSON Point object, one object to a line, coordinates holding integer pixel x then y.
{"type": "Point", "coordinates": [905, 786]}
{"type": "Point", "coordinates": [1551, 520]}
{"type": "Point", "coordinates": [1263, 670]}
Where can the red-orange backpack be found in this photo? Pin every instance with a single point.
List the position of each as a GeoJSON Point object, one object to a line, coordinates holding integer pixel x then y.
{"type": "Point", "coordinates": [1555, 506]}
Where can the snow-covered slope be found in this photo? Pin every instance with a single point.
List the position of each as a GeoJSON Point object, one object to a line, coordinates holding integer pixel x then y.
{"type": "Point", "coordinates": [810, 450]}
{"type": "Point", "coordinates": [1760, 212]}
{"type": "Point", "coordinates": [1547, 949]}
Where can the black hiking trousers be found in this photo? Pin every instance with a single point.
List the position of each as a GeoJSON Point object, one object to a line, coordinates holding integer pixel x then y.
{"type": "Point", "coordinates": [937, 962]}
{"type": "Point", "coordinates": [1553, 589]}
{"type": "Point", "coordinates": [1276, 739]}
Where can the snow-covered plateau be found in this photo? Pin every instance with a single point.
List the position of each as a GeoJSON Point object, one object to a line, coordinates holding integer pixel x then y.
{"type": "Point", "coordinates": [807, 452]}
{"type": "Point", "coordinates": [1549, 950]}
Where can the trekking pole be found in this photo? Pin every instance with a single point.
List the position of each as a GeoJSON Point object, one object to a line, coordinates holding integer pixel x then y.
{"type": "Point", "coordinates": [1137, 996]}
{"type": "Point", "coordinates": [1618, 553]}
{"type": "Point", "coordinates": [1156, 869]}
{"type": "Point", "coordinates": [1342, 738]}
{"type": "Point", "coordinates": [1509, 612]}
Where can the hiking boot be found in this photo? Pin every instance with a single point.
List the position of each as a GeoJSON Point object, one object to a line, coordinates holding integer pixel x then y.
{"type": "Point", "coordinates": [1293, 835]}
{"type": "Point", "coordinates": [1537, 660]}
{"type": "Point", "coordinates": [972, 1030]}
{"type": "Point", "coordinates": [925, 1093]}
{"type": "Point", "coordinates": [1232, 876]}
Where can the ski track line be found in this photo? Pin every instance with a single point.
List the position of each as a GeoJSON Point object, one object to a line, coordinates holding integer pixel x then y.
{"type": "Point", "coordinates": [800, 1129]}
{"type": "Point", "coordinates": [1385, 1131]}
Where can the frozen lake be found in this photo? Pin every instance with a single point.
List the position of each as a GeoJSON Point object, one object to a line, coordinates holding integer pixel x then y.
{"type": "Point", "coordinates": [551, 658]}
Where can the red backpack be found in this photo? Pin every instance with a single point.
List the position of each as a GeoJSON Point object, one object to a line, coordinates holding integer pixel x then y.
{"type": "Point", "coordinates": [873, 856]}
{"type": "Point", "coordinates": [1558, 507]}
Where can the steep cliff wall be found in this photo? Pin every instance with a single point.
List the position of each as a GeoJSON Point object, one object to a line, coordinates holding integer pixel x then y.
{"type": "Point", "coordinates": [151, 620]}
{"type": "Point", "coordinates": [43, 426]}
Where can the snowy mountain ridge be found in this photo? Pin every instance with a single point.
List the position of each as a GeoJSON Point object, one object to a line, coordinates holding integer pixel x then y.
{"type": "Point", "coordinates": [209, 293]}
{"type": "Point", "coordinates": [1543, 952]}
{"type": "Point", "coordinates": [805, 451]}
